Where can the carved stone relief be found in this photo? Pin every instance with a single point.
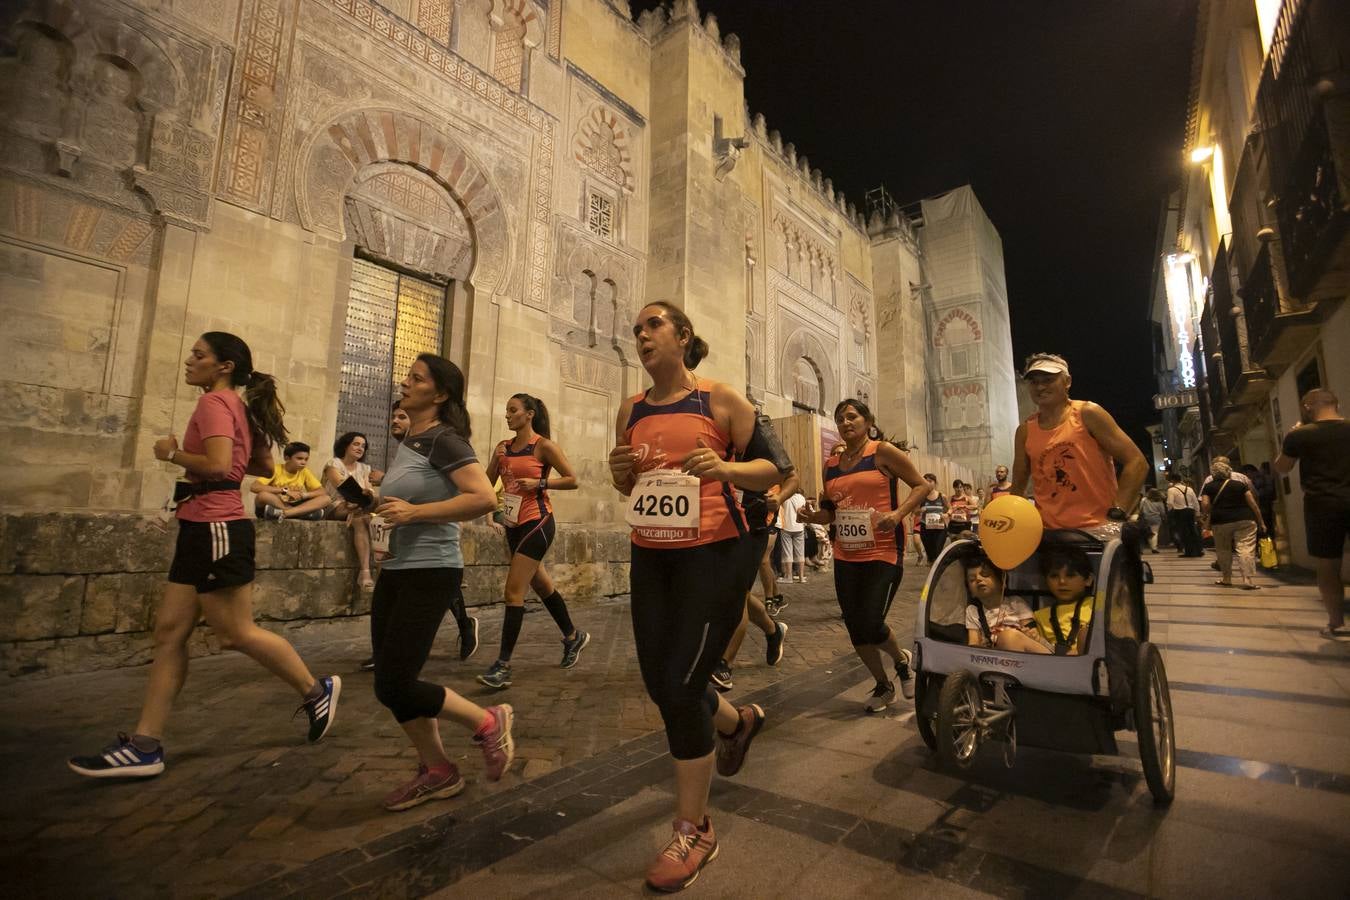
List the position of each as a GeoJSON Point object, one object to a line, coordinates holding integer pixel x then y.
{"type": "Point", "coordinates": [397, 213]}
{"type": "Point", "coordinates": [101, 99]}
{"type": "Point", "coordinates": [344, 147]}
{"type": "Point", "coordinates": [593, 293]}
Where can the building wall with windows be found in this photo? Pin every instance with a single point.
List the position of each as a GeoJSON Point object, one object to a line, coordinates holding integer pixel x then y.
{"type": "Point", "coordinates": [346, 183]}
{"type": "Point", "coordinates": [1254, 253]}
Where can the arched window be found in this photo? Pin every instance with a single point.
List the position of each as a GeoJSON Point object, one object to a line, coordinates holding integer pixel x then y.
{"type": "Point", "coordinates": [807, 387]}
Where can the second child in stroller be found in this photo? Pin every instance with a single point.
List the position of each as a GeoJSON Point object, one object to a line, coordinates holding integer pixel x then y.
{"type": "Point", "coordinates": [1069, 576]}
{"type": "Point", "coordinates": [993, 620]}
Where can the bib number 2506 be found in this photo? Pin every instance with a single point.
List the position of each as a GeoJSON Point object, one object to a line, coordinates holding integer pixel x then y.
{"type": "Point", "coordinates": [854, 529]}
{"type": "Point", "coordinates": [664, 507]}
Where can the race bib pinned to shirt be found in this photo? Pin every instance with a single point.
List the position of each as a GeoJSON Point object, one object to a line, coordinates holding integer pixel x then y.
{"type": "Point", "coordinates": [664, 506]}
{"type": "Point", "coordinates": [932, 520]}
{"type": "Point", "coordinates": [853, 527]}
{"type": "Point", "coordinates": [511, 508]}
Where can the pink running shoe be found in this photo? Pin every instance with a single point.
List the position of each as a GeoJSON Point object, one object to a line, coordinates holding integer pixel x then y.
{"type": "Point", "coordinates": [685, 856]}
{"type": "Point", "coordinates": [496, 743]}
{"type": "Point", "coordinates": [425, 786]}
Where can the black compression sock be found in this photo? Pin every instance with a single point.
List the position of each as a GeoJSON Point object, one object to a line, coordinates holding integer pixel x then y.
{"type": "Point", "coordinates": [510, 631]}
{"type": "Point", "coordinates": [557, 608]}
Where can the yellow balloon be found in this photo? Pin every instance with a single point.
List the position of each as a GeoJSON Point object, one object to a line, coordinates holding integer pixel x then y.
{"type": "Point", "coordinates": [1010, 530]}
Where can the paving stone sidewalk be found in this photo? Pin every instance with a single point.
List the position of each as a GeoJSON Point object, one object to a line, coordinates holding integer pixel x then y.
{"type": "Point", "coordinates": [244, 802]}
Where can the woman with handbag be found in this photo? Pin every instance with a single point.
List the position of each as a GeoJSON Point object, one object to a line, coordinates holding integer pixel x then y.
{"type": "Point", "coordinates": [1235, 519]}
{"type": "Point", "coordinates": [212, 569]}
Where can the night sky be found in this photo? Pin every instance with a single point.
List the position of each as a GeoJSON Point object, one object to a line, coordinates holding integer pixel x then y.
{"type": "Point", "coordinates": [1067, 117]}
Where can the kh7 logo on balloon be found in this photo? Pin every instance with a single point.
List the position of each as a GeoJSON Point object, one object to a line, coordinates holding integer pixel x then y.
{"type": "Point", "coordinates": [998, 524]}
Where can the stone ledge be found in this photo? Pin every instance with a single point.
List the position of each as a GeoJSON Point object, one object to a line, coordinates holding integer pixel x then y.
{"type": "Point", "coordinates": [78, 590]}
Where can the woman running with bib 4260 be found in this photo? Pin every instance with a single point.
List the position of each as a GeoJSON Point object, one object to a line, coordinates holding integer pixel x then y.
{"type": "Point", "coordinates": [523, 463]}
{"type": "Point", "coordinates": [212, 568]}
{"type": "Point", "coordinates": [690, 556]}
{"type": "Point", "coordinates": [860, 500]}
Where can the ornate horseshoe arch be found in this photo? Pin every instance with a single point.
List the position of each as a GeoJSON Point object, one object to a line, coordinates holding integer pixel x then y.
{"type": "Point", "coordinates": [338, 150]}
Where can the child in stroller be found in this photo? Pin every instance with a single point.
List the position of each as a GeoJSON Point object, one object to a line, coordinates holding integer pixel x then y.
{"type": "Point", "coordinates": [995, 620]}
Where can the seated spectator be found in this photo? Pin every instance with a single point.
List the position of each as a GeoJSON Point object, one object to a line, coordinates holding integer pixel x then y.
{"type": "Point", "coordinates": [292, 492]}
{"type": "Point", "coordinates": [1069, 576]}
{"type": "Point", "coordinates": [348, 452]}
{"type": "Point", "coordinates": [994, 620]}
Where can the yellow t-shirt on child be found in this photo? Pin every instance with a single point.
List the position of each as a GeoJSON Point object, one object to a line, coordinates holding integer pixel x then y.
{"type": "Point", "coordinates": [303, 480]}
{"type": "Point", "coordinates": [1063, 612]}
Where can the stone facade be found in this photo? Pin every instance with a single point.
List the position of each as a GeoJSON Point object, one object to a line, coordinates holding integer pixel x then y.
{"type": "Point", "coordinates": [537, 167]}
{"type": "Point", "coordinates": [63, 611]}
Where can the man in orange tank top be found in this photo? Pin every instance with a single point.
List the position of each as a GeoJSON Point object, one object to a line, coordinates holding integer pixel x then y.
{"type": "Point", "coordinates": [1069, 450]}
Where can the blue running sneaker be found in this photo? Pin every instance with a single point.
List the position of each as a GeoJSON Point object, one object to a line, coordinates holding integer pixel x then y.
{"type": "Point", "coordinates": [497, 677]}
{"type": "Point", "coordinates": [322, 710]}
{"type": "Point", "coordinates": [120, 760]}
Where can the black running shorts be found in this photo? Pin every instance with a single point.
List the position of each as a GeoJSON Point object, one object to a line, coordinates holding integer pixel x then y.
{"type": "Point", "coordinates": [213, 555]}
{"type": "Point", "coordinates": [532, 538]}
{"type": "Point", "coordinates": [1326, 524]}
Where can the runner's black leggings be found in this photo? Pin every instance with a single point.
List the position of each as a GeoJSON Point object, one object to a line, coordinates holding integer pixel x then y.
{"type": "Point", "coordinates": [405, 613]}
{"type": "Point", "coordinates": [933, 539]}
{"type": "Point", "coordinates": [865, 591]}
{"type": "Point", "coordinates": [686, 604]}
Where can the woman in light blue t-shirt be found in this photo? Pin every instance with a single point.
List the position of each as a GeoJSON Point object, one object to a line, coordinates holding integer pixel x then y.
{"type": "Point", "coordinates": [434, 483]}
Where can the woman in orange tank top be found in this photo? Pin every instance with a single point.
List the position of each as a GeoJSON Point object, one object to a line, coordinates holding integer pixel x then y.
{"type": "Point", "coordinates": [1069, 450]}
{"type": "Point", "coordinates": [523, 463]}
{"type": "Point", "coordinates": [860, 500]}
{"type": "Point", "coordinates": [675, 461]}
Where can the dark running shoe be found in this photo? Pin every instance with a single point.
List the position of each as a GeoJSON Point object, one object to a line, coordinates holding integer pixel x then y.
{"type": "Point", "coordinates": [322, 710]}
{"type": "Point", "coordinates": [731, 748]}
{"type": "Point", "coordinates": [905, 674]}
{"type": "Point", "coordinates": [779, 604]}
{"type": "Point", "coordinates": [721, 676]}
{"type": "Point", "coordinates": [120, 760]}
{"type": "Point", "coordinates": [368, 664]}
{"type": "Point", "coordinates": [468, 638]}
{"type": "Point", "coordinates": [773, 644]}
{"type": "Point", "coordinates": [882, 696]}
{"type": "Point", "coordinates": [498, 677]}
{"type": "Point", "coordinates": [572, 648]}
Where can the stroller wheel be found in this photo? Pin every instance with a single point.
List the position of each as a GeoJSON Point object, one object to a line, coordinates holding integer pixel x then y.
{"type": "Point", "coordinates": [958, 728]}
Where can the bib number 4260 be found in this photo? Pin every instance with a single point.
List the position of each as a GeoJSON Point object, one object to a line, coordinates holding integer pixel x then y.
{"type": "Point", "coordinates": [665, 506]}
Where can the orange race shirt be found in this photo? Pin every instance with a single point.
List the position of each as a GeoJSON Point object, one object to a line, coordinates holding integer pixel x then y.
{"type": "Point", "coordinates": [1073, 477]}
{"type": "Point", "coordinates": [856, 494]}
{"type": "Point", "coordinates": [662, 436]}
{"type": "Point", "coordinates": [513, 466]}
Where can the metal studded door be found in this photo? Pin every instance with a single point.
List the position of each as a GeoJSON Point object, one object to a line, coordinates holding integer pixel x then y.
{"type": "Point", "coordinates": [390, 319]}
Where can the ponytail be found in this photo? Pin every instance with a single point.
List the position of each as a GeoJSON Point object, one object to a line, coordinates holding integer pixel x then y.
{"type": "Point", "coordinates": [536, 406]}
{"type": "Point", "coordinates": [266, 412]}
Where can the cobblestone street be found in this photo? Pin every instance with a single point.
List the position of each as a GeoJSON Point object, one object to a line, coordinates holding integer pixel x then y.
{"type": "Point", "coordinates": [1263, 797]}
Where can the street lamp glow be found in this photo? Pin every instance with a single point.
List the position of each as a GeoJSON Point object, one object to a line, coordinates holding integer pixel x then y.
{"type": "Point", "coordinates": [1202, 154]}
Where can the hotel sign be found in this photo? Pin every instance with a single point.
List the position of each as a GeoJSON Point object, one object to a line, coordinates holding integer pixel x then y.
{"type": "Point", "coordinates": [1175, 401]}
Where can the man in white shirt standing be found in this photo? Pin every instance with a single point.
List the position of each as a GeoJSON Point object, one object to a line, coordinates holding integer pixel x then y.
{"type": "Point", "coordinates": [1183, 506]}
{"type": "Point", "coordinates": [794, 537]}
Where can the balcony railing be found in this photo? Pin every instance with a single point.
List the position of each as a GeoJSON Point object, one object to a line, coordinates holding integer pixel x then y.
{"type": "Point", "coordinates": [1261, 303]}
{"type": "Point", "coordinates": [1291, 119]}
{"type": "Point", "coordinates": [1215, 361]}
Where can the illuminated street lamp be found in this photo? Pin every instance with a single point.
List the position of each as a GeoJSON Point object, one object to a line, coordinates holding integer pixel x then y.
{"type": "Point", "coordinates": [1202, 154]}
